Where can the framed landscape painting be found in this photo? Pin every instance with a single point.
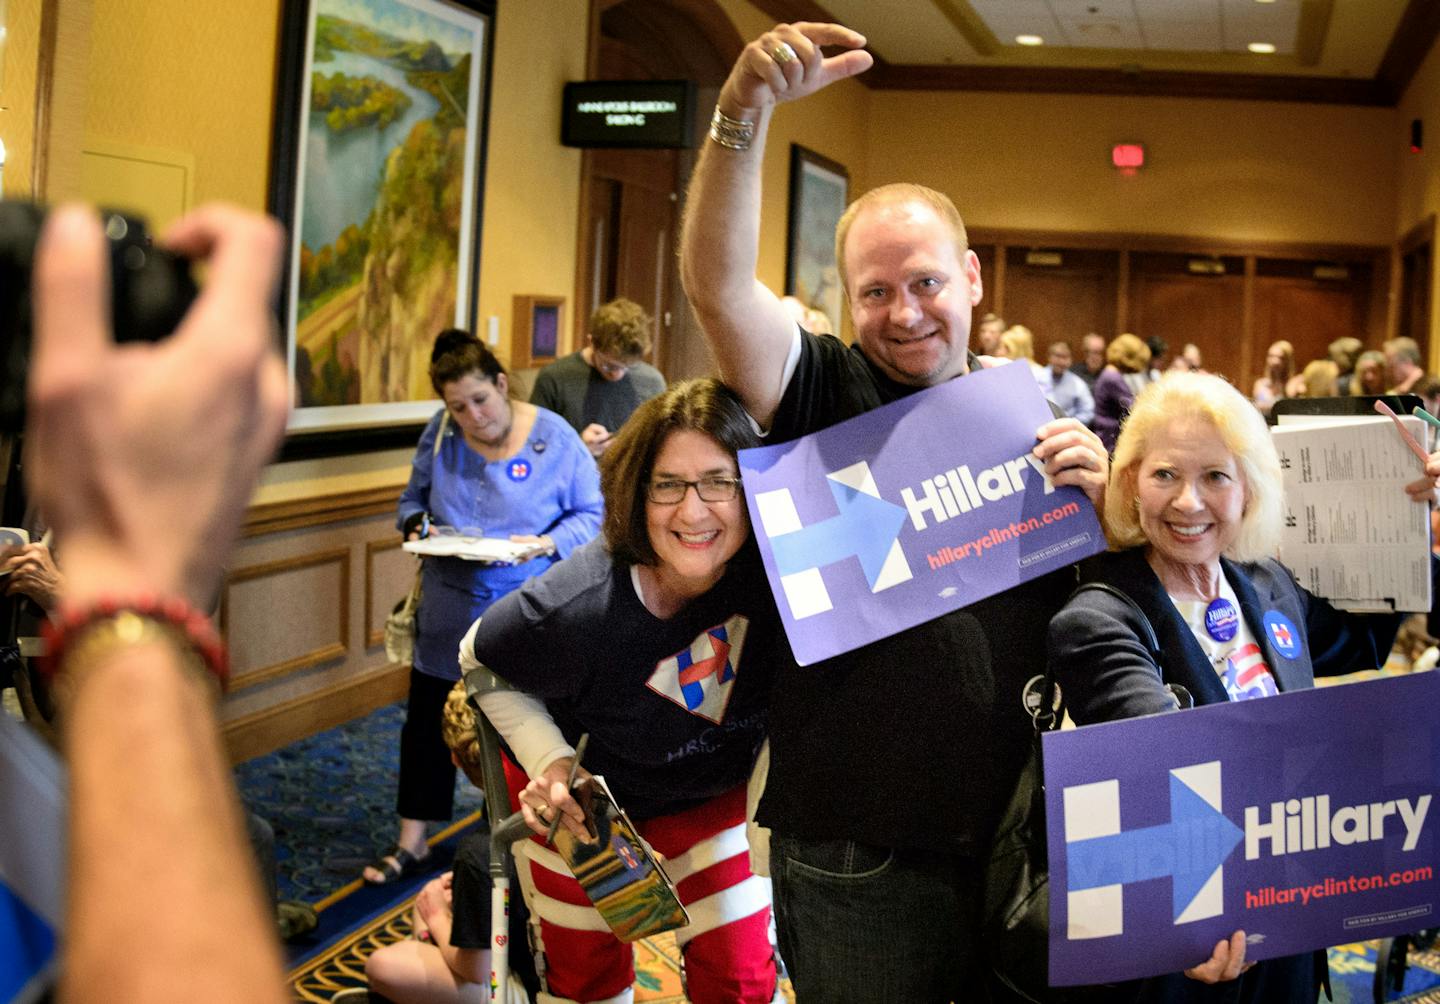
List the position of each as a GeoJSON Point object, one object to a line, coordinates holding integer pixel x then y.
{"type": "Point", "coordinates": [819, 192]}
{"type": "Point", "coordinates": [377, 170]}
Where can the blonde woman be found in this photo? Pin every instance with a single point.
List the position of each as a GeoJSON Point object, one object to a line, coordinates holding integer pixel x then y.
{"type": "Point", "coordinates": [1127, 354]}
{"type": "Point", "coordinates": [1279, 368]}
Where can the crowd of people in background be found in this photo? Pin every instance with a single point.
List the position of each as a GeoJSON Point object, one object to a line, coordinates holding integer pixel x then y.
{"type": "Point", "coordinates": [1099, 386]}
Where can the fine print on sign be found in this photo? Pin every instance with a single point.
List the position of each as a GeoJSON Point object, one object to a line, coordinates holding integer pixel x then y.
{"type": "Point", "coordinates": [1305, 819]}
{"type": "Point", "coordinates": [912, 510]}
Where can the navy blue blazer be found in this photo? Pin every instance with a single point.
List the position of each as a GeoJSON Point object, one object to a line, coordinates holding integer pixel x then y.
{"type": "Point", "coordinates": [1105, 669]}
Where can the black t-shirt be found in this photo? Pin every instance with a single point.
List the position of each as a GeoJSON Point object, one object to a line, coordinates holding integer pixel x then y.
{"type": "Point", "coordinates": [470, 908]}
{"type": "Point", "coordinates": [675, 708]}
{"type": "Point", "coordinates": [915, 740]}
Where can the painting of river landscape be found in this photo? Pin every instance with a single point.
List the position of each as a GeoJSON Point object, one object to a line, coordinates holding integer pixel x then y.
{"type": "Point", "coordinates": [384, 214]}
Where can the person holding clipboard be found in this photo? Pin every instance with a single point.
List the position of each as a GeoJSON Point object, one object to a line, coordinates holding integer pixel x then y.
{"type": "Point", "coordinates": [512, 470]}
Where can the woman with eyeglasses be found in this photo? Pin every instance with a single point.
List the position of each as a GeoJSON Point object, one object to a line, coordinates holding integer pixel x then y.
{"type": "Point", "coordinates": [485, 464]}
{"type": "Point", "coordinates": [658, 641]}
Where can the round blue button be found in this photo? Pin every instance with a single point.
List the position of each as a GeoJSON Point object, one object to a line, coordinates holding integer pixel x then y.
{"type": "Point", "coordinates": [1284, 636]}
{"type": "Point", "coordinates": [1222, 620]}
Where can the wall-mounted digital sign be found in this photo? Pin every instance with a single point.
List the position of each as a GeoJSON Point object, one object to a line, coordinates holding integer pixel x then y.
{"type": "Point", "coordinates": [651, 114]}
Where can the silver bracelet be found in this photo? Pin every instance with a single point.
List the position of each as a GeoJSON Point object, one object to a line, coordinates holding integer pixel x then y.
{"type": "Point", "coordinates": [732, 134]}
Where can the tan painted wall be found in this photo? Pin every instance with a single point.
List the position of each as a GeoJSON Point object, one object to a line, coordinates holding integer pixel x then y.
{"type": "Point", "coordinates": [532, 183]}
{"type": "Point", "coordinates": [17, 94]}
{"type": "Point", "coordinates": [1262, 171]}
{"type": "Point", "coordinates": [193, 78]}
{"type": "Point", "coordinates": [1418, 175]}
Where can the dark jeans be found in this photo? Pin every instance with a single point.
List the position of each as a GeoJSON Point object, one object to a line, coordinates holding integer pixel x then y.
{"type": "Point", "coordinates": [874, 925]}
{"type": "Point", "coordinates": [427, 775]}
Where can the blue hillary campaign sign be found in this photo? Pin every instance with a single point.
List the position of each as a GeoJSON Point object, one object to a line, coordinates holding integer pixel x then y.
{"type": "Point", "coordinates": [1304, 819]}
{"type": "Point", "coordinates": [32, 857]}
{"type": "Point", "coordinates": [912, 510]}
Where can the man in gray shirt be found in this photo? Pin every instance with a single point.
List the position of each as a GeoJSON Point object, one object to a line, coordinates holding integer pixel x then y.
{"type": "Point", "coordinates": [597, 388]}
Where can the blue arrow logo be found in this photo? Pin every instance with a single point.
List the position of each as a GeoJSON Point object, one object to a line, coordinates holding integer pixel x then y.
{"type": "Point", "coordinates": [865, 528]}
{"type": "Point", "coordinates": [1189, 849]}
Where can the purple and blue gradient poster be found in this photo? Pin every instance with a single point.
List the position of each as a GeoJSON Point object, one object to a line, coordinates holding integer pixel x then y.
{"type": "Point", "coordinates": [1305, 820]}
{"type": "Point", "coordinates": [910, 511]}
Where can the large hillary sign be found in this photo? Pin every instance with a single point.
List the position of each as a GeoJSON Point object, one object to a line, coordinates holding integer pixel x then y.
{"type": "Point", "coordinates": [912, 510]}
{"type": "Point", "coordinates": [1306, 820]}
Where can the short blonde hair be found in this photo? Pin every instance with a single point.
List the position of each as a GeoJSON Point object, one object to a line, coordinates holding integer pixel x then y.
{"type": "Point", "coordinates": [1128, 354]}
{"type": "Point", "coordinates": [457, 725]}
{"type": "Point", "coordinates": [1199, 397]}
{"type": "Point", "coordinates": [896, 194]}
{"type": "Point", "coordinates": [1321, 378]}
{"type": "Point", "coordinates": [1018, 343]}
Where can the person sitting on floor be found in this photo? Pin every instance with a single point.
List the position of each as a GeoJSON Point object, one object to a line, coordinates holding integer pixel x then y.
{"type": "Point", "coordinates": [448, 959]}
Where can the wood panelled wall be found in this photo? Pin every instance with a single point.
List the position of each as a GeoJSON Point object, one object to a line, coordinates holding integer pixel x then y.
{"type": "Point", "coordinates": [1232, 301]}
{"type": "Point", "coordinates": [303, 610]}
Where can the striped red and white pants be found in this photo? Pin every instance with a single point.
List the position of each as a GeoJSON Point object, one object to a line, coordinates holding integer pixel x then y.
{"type": "Point", "coordinates": [726, 945]}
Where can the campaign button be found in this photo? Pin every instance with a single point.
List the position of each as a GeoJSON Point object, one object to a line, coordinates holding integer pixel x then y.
{"type": "Point", "coordinates": [1222, 620]}
{"type": "Point", "coordinates": [1284, 636]}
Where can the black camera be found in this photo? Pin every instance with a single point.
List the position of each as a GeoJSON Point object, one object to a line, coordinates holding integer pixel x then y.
{"type": "Point", "coordinates": [151, 289]}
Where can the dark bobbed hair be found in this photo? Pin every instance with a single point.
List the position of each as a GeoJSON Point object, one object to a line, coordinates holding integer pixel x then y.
{"type": "Point", "coordinates": [705, 406]}
{"type": "Point", "coordinates": [458, 353]}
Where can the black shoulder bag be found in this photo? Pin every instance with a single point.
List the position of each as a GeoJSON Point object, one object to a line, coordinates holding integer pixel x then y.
{"type": "Point", "coordinates": [1017, 876]}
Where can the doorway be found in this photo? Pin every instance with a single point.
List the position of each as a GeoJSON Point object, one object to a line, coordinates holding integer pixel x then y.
{"type": "Point", "coordinates": [632, 201]}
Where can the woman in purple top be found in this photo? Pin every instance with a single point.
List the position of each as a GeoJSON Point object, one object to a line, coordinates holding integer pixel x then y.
{"type": "Point", "coordinates": [1113, 396]}
{"type": "Point", "coordinates": [484, 463]}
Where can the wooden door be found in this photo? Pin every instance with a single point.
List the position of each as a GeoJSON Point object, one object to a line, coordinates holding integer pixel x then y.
{"type": "Point", "coordinates": [1061, 294]}
{"type": "Point", "coordinates": [1295, 301]}
{"type": "Point", "coordinates": [1169, 298]}
{"type": "Point", "coordinates": [630, 223]}
{"type": "Point", "coordinates": [1415, 277]}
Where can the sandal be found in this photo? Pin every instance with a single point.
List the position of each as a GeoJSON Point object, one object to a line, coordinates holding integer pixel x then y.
{"type": "Point", "coordinates": [295, 919]}
{"type": "Point", "coordinates": [386, 864]}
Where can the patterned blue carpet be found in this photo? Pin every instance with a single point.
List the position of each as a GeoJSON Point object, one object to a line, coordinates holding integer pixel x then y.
{"type": "Point", "coordinates": [331, 801]}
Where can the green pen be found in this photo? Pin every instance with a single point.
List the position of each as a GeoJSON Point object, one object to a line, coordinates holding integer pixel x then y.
{"type": "Point", "coordinates": [1420, 412]}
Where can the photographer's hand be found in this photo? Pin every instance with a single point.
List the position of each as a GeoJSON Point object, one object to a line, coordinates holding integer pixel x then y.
{"type": "Point", "coordinates": [150, 452]}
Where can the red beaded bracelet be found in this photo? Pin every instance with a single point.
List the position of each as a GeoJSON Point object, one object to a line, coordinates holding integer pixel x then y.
{"type": "Point", "coordinates": [170, 617]}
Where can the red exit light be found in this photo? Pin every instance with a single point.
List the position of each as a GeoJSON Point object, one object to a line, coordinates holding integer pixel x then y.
{"type": "Point", "coordinates": [1128, 157]}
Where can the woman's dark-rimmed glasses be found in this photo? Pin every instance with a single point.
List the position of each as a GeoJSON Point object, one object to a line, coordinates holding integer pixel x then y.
{"type": "Point", "coordinates": [672, 492]}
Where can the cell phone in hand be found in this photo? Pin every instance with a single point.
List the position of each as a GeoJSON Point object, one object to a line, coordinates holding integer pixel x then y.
{"type": "Point", "coordinates": [12, 537]}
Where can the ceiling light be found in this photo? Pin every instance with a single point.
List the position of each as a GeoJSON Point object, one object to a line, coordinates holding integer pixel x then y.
{"type": "Point", "coordinates": [1264, 1]}
{"type": "Point", "coordinates": [1264, 48]}
{"type": "Point", "coordinates": [1029, 40]}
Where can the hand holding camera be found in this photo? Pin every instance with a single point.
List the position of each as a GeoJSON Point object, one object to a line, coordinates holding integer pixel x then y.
{"type": "Point", "coordinates": [147, 505]}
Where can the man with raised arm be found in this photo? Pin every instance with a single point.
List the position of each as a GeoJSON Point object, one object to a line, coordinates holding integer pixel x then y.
{"type": "Point", "coordinates": [890, 765]}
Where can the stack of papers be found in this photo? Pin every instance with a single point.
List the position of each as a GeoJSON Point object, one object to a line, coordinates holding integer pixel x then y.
{"type": "Point", "coordinates": [1351, 533]}
{"type": "Point", "coordinates": [493, 550]}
